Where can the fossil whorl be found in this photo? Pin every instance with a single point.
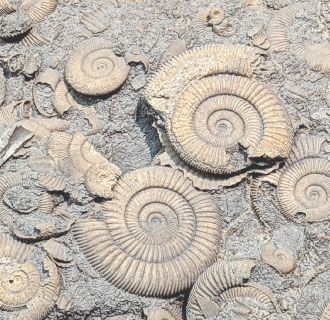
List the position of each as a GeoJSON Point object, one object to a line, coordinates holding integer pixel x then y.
{"type": "Point", "coordinates": [215, 280]}
{"type": "Point", "coordinates": [279, 24]}
{"type": "Point", "coordinates": [94, 69]}
{"type": "Point", "coordinates": [165, 87]}
{"type": "Point", "coordinates": [217, 114]}
{"type": "Point", "coordinates": [159, 233]}
{"type": "Point", "coordinates": [21, 285]}
{"type": "Point", "coordinates": [304, 183]}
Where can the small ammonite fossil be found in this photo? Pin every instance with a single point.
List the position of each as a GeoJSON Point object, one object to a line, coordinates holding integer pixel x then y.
{"type": "Point", "coordinates": [93, 68]}
{"type": "Point", "coordinates": [157, 236]}
{"type": "Point", "coordinates": [22, 287]}
{"type": "Point", "coordinates": [221, 283]}
{"type": "Point", "coordinates": [303, 184]}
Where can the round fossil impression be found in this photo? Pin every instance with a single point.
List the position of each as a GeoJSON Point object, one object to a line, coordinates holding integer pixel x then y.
{"type": "Point", "coordinates": [158, 233]}
{"type": "Point", "coordinates": [93, 69]}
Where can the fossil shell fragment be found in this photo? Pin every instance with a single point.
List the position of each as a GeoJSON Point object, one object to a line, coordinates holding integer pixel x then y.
{"type": "Point", "coordinates": [174, 49]}
{"type": "Point", "coordinates": [219, 113]}
{"type": "Point", "coordinates": [96, 20]}
{"type": "Point", "coordinates": [160, 314]}
{"type": "Point", "coordinates": [57, 252]}
{"type": "Point", "coordinates": [283, 261]}
{"type": "Point", "coordinates": [136, 55]}
{"type": "Point", "coordinates": [325, 312]}
{"type": "Point", "coordinates": [94, 69]}
{"type": "Point", "coordinates": [38, 10]}
{"type": "Point", "coordinates": [30, 67]}
{"type": "Point", "coordinates": [159, 233]}
{"type": "Point", "coordinates": [51, 182]}
{"type": "Point", "coordinates": [3, 89]}
{"type": "Point", "coordinates": [6, 7]}
{"type": "Point", "coordinates": [216, 279]}
{"type": "Point", "coordinates": [21, 286]}
{"type": "Point", "coordinates": [165, 87]}
{"type": "Point", "coordinates": [63, 303]}
{"type": "Point", "coordinates": [14, 112]}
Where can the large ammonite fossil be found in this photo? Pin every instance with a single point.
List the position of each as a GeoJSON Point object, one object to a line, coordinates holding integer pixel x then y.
{"type": "Point", "coordinates": [222, 283]}
{"type": "Point", "coordinates": [157, 236]}
{"type": "Point", "coordinates": [21, 285]}
{"type": "Point", "coordinates": [218, 120]}
{"type": "Point", "coordinates": [303, 184]}
{"type": "Point", "coordinates": [94, 69]}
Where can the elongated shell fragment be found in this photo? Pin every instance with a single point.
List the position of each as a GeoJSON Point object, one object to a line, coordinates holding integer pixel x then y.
{"type": "Point", "coordinates": [159, 233]}
{"type": "Point", "coordinates": [93, 69]}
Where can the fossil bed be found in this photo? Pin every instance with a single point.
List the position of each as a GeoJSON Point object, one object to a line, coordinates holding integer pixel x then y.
{"type": "Point", "coordinates": [129, 139]}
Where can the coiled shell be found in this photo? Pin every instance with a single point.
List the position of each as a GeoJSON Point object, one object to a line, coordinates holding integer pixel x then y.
{"type": "Point", "coordinates": [217, 114]}
{"type": "Point", "coordinates": [165, 87]}
{"type": "Point", "coordinates": [159, 233]}
{"type": "Point", "coordinates": [94, 69]}
{"type": "Point", "coordinates": [219, 277]}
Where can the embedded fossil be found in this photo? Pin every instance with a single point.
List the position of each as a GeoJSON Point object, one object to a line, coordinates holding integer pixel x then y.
{"type": "Point", "coordinates": [216, 279]}
{"type": "Point", "coordinates": [14, 112]}
{"type": "Point", "coordinates": [6, 7]}
{"type": "Point", "coordinates": [94, 69]}
{"type": "Point", "coordinates": [260, 40]}
{"type": "Point", "coordinates": [171, 234]}
{"type": "Point", "coordinates": [166, 86]}
{"type": "Point", "coordinates": [283, 261]}
{"type": "Point", "coordinates": [63, 303]}
{"type": "Point", "coordinates": [136, 55]}
{"type": "Point", "coordinates": [96, 20]}
{"type": "Point", "coordinates": [57, 252]}
{"type": "Point", "coordinates": [51, 181]}
{"type": "Point", "coordinates": [224, 281]}
{"type": "Point", "coordinates": [303, 183]}
{"type": "Point", "coordinates": [75, 156]}
{"type": "Point", "coordinates": [38, 10]}
{"type": "Point", "coordinates": [2, 87]}
{"type": "Point", "coordinates": [175, 48]}
{"type": "Point", "coordinates": [21, 286]}
{"type": "Point", "coordinates": [217, 114]}
{"type": "Point", "coordinates": [30, 67]}
{"type": "Point", "coordinates": [279, 25]}
{"type": "Point", "coordinates": [325, 312]}
{"type": "Point", "coordinates": [160, 314]}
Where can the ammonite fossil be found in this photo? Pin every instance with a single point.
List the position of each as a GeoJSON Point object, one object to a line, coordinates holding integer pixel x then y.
{"type": "Point", "coordinates": [303, 184]}
{"type": "Point", "coordinates": [21, 285]}
{"type": "Point", "coordinates": [157, 236]}
{"type": "Point", "coordinates": [223, 282]}
{"type": "Point", "coordinates": [75, 156]}
{"type": "Point", "coordinates": [14, 112]}
{"type": "Point", "coordinates": [94, 69]}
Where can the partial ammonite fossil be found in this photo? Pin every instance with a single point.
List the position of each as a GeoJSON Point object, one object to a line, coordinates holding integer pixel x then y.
{"type": "Point", "coordinates": [325, 312]}
{"type": "Point", "coordinates": [282, 260]}
{"type": "Point", "coordinates": [14, 112]}
{"type": "Point", "coordinates": [77, 158]}
{"type": "Point", "coordinates": [94, 69]}
{"type": "Point", "coordinates": [22, 286]}
{"type": "Point", "coordinates": [96, 20]}
{"type": "Point", "coordinates": [224, 282]}
{"type": "Point", "coordinates": [157, 236]}
{"type": "Point", "coordinates": [303, 184]}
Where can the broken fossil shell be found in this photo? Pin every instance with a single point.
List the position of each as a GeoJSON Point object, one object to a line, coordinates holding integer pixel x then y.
{"type": "Point", "coordinates": [217, 114]}
{"type": "Point", "coordinates": [303, 184]}
{"type": "Point", "coordinates": [22, 287]}
{"type": "Point", "coordinates": [175, 48]}
{"type": "Point", "coordinates": [94, 69]}
{"type": "Point", "coordinates": [325, 311]}
{"type": "Point", "coordinates": [38, 10]}
{"type": "Point", "coordinates": [259, 38]}
{"type": "Point", "coordinates": [51, 182]}
{"type": "Point", "coordinates": [30, 67]}
{"type": "Point", "coordinates": [96, 20]}
{"type": "Point", "coordinates": [57, 252]}
{"type": "Point", "coordinates": [217, 278]}
{"type": "Point", "coordinates": [159, 224]}
{"type": "Point", "coordinates": [136, 55]}
{"type": "Point", "coordinates": [3, 89]}
{"type": "Point", "coordinates": [75, 156]}
{"type": "Point", "coordinates": [14, 112]}
{"type": "Point", "coordinates": [283, 261]}
{"type": "Point", "coordinates": [216, 16]}
{"type": "Point", "coordinates": [160, 314]}
{"type": "Point", "coordinates": [165, 87]}
{"type": "Point", "coordinates": [7, 7]}
{"type": "Point", "coordinates": [63, 303]}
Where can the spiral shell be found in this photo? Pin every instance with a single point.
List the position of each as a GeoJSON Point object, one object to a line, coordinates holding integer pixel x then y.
{"type": "Point", "coordinates": [159, 233]}
{"type": "Point", "coordinates": [94, 69]}
{"type": "Point", "coordinates": [217, 114]}
{"type": "Point", "coordinates": [281, 260]}
{"type": "Point", "coordinates": [304, 183]}
{"type": "Point", "coordinates": [216, 279]}
{"type": "Point", "coordinates": [21, 287]}
{"type": "Point", "coordinates": [165, 87]}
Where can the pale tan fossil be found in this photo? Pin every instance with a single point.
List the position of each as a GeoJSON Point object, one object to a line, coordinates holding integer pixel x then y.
{"type": "Point", "coordinates": [3, 89]}
{"type": "Point", "coordinates": [157, 236]}
{"type": "Point", "coordinates": [38, 10]}
{"type": "Point", "coordinates": [14, 112]}
{"type": "Point", "coordinates": [160, 314]}
{"type": "Point", "coordinates": [216, 279]}
{"type": "Point", "coordinates": [177, 47]}
{"type": "Point", "coordinates": [75, 156]}
{"type": "Point", "coordinates": [6, 7]}
{"type": "Point", "coordinates": [303, 184]}
{"type": "Point", "coordinates": [325, 311]}
{"type": "Point", "coordinates": [283, 261]}
{"type": "Point", "coordinates": [217, 114]}
{"type": "Point", "coordinates": [51, 182]}
{"type": "Point", "coordinates": [96, 20]}
{"type": "Point", "coordinates": [63, 303]}
{"type": "Point", "coordinates": [165, 87]}
{"type": "Point", "coordinates": [136, 55]}
{"type": "Point", "coordinates": [225, 281]}
{"type": "Point", "coordinates": [93, 69]}
{"type": "Point", "coordinates": [30, 67]}
{"type": "Point", "coordinates": [21, 287]}
{"type": "Point", "coordinates": [260, 40]}
{"type": "Point", "coordinates": [57, 252]}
